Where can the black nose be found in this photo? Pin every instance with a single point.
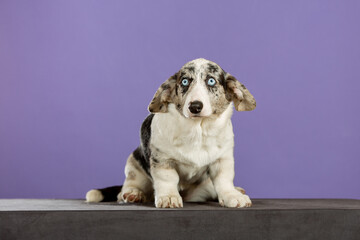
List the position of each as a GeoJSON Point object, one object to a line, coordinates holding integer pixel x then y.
{"type": "Point", "coordinates": [195, 107]}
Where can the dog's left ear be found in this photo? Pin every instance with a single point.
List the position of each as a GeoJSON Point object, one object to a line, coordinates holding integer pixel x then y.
{"type": "Point", "coordinates": [163, 96]}
{"type": "Point", "coordinates": [238, 93]}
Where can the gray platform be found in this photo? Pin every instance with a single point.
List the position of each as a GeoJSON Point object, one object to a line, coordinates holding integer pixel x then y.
{"type": "Point", "coordinates": [267, 219]}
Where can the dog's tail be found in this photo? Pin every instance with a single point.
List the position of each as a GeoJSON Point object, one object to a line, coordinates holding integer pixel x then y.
{"type": "Point", "coordinates": [108, 194]}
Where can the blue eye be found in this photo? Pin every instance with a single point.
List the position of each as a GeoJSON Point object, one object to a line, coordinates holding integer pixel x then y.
{"type": "Point", "coordinates": [185, 82]}
{"type": "Point", "coordinates": [211, 82]}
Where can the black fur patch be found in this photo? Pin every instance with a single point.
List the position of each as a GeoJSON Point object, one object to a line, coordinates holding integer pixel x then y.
{"type": "Point", "coordinates": [222, 80]}
{"type": "Point", "coordinates": [139, 156]}
{"type": "Point", "coordinates": [182, 74]}
{"type": "Point", "coordinates": [212, 68]}
{"type": "Point", "coordinates": [184, 89]}
{"type": "Point", "coordinates": [142, 153]}
{"type": "Point", "coordinates": [110, 193]}
{"type": "Point", "coordinates": [165, 86]}
{"type": "Point", "coordinates": [190, 69]}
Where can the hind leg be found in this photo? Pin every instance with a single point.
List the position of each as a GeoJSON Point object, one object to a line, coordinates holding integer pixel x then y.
{"type": "Point", "coordinates": [203, 192]}
{"type": "Point", "coordinates": [137, 186]}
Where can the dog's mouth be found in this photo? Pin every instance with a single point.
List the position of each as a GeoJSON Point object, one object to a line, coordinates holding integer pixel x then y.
{"type": "Point", "coordinates": [196, 116]}
{"type": "Point", "coordinates": [192, 115]}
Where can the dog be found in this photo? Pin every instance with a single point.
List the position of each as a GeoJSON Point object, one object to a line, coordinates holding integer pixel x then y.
{"type": "Point", "coordinates": [187, 142]}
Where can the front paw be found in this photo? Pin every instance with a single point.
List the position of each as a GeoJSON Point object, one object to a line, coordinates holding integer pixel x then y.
{"type": "Point", "coordinates": [168, 201]}
{"type": "Point", "coordinates": [234, 199]}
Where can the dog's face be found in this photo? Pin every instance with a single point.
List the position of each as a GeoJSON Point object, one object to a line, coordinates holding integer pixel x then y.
{"type": "Point", "coordinates": [201, 88]}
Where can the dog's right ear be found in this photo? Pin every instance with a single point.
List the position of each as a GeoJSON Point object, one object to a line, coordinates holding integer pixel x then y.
{"type": "Point", "coordinates": [163, 96]}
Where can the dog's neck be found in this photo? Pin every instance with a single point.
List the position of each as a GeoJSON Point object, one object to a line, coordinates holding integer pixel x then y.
{"type": "Point", "coordinates": [198, 139]}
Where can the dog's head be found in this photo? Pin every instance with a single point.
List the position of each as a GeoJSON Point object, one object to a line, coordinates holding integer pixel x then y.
{"type": "Point", "coordinates": [201, 88]}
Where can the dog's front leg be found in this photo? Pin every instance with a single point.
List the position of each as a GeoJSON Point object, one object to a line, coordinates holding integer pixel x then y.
{"type": "Point", "coordinates": [222, 175]}
{"type": "Point", "coordinates": [166, 181]}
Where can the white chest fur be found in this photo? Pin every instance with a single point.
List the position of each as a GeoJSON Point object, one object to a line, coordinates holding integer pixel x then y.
{"type": "Point", "coordinates": [191, 143]}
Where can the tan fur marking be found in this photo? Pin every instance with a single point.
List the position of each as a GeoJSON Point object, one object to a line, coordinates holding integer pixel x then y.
{"type": "Point", "coordinates": [242, 98]}
{"type": "Point", "coordinates": [131, 175]}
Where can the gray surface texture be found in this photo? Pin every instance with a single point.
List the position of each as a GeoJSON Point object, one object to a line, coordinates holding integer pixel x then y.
{"type": "Point", "coordinates": [267, 219]}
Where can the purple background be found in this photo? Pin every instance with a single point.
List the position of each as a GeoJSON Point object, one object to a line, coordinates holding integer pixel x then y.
{"type": "Point", "coordinates": [76, 78]}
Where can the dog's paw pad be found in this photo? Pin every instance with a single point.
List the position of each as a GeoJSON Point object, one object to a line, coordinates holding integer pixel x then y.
{"type": "Point", "coordinates": [132, 195]}
{"type": "Point", "coordinates": [168, 201]}
{"type": "Point", "coordinates": [235, 200]}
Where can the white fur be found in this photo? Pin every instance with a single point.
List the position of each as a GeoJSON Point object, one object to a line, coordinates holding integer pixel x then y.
{"type": "Point", "coordinates": [166, 188]}
{"type": "Point", "coordinates": [94, 196]}
{"type": "Point", "coordinates": [200, 62]}
{"type": "Point", "coordinates": [195, 142]}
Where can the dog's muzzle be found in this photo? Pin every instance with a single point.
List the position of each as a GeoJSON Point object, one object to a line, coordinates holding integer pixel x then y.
{"type": "Point", "coordinates": [196, 107]}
